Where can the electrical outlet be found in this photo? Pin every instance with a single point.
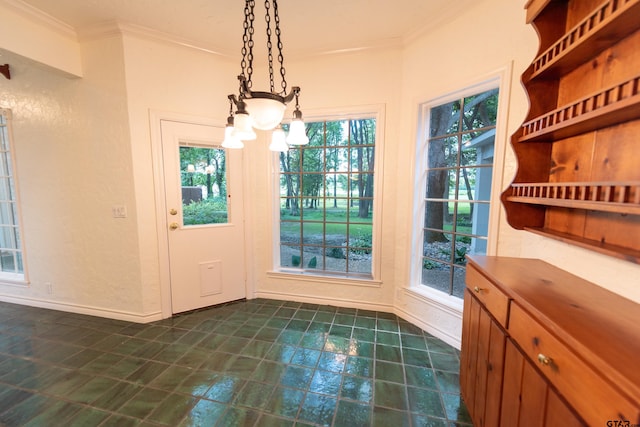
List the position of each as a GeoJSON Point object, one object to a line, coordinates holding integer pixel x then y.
{"type": "Point", "coordinates": [119, 211]}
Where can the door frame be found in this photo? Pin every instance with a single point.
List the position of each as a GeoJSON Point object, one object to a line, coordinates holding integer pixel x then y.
{"type": "Point", "coordinates": [155, 120]}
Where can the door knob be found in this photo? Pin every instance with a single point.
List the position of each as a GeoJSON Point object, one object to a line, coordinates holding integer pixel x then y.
{"type": "Point", "coordinates": [173, 212]}
{"type": "Point", "coordinates": [173, 226]}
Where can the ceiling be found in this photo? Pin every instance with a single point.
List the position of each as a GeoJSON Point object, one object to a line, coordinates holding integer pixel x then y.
{"type": "Point", "coordinates": [308, 26]}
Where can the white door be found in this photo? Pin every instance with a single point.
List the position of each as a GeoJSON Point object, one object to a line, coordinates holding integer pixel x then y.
{"type": "Point", "coordinates": [205, 225]}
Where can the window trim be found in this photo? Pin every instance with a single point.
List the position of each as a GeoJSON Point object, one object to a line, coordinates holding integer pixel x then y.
{"type": "Point", "coordinates": [377, 112]}
{"type": "Point", "coordinates": [499, 79]}
{"type": "Point", "coordinates": [6, 278]}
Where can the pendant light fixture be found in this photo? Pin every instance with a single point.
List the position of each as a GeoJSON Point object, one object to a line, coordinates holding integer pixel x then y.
{"type": "Point", "coordinates": [260, 109]}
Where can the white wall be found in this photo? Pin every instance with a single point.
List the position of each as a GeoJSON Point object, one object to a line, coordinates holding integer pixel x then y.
{"type": "Point", "coordinates": [73, 164]}
{"type": "Point", "coordinates": [84, 145]}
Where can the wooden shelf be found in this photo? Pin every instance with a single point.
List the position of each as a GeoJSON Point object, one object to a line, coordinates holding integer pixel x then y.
{"type": "Point", "coordinates": [615, 197]}
{"type": "Point", "coordinates": [616, 251]}
{"type": "Point", "coordinates": [614, 105]}
{"type": "Point", "coordinates": [611, 21]}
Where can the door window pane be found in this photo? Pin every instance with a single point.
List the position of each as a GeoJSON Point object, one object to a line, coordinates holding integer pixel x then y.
{"type": "Point", "coordinates": [203, 174]}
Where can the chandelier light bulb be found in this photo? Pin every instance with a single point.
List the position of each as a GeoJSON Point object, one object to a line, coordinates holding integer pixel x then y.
{"type": "Point", "coordinates": [266, 113]}
{"type": "Point", "coordinates": [278, 142]}
{"type": "Point", "coordinates": [230, 141]}
{"type": "Point", "coordinates": [242, 128]}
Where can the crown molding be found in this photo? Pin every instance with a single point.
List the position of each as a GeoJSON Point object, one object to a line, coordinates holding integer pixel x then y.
{"type": "Point", "coordinates": [115, 28]}
{"type": "Point", "coordinates": [40, 18]}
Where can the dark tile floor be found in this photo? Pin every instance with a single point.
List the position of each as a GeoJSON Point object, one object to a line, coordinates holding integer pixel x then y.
{"type": "Point", "coordinates": [251, 363]}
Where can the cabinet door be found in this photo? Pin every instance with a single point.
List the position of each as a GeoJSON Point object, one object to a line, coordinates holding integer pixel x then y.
{"type": "Point", "coordinates": [527, 399]}
{"type": "Point", "coordinates": [482, 362]}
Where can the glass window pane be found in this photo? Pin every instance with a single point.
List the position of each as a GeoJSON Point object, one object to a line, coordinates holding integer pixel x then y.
{"type": "Point", "coordinates": [204, 185]}
{"type": "Point", "coordinates": [290, 232]}
{"type": "Point", "coordinates": [445, 119]}
{"type": "Point", "coordinates": [290, 256]}
{"type": "Point", "coordinates": [481, 110]}
{"type": "Point", "coordinates": [458, 175]}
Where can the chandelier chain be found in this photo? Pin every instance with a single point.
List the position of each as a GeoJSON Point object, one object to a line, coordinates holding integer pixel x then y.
{"type": "Point", "coordinates": [276, 17]}
{"type": "Point", "coordinates": [267, 18]}
{"type": "Point", "coordinates": [247, 47]}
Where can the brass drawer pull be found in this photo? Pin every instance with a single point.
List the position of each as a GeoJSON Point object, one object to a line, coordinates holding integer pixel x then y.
{"type": "Point", "coordinates": [477, 290]}
{"type": "Point", "coordinates": [546, 361]}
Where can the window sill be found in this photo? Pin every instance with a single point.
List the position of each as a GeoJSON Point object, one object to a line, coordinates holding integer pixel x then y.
{"type": "Point", "coordinates": [317, 278]}
{"type": "Point", "coordinates": [8, 279]}
{"type": "Point", "coordinates": [448, 302]}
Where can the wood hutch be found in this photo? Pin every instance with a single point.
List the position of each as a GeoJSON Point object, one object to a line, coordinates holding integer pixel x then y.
{"type": "Point", "coordinates": [541, 347]}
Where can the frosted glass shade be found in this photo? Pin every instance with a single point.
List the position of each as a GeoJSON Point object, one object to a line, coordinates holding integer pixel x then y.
{"type": "Point", "coordinates": [266, 113]}
{"type": "Point", "coordinates": [297, 133]}
{"type": "Point", "coordinates": [242, 127]}
{"type": "Point", "coordinates": [230, 141]}
{"type": "Point", "coordinates": [278, 142]}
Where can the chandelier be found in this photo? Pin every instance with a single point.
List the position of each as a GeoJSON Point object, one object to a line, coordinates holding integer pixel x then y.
{"type": "Point", "coordinates": [258, 109]}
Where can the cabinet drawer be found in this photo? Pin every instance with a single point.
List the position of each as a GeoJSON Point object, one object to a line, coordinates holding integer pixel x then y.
{"type": "Point", "coordinates": [593, 398]}
{"type": "Point", "coordinates": [496, 302]}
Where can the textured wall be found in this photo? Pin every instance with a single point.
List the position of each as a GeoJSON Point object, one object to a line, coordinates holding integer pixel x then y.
{"type": "Point", "coordinates": [73, 164]}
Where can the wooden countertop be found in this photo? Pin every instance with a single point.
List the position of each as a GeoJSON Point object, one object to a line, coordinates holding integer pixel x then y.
{"type": "Point", "coordinates": [603, 328]}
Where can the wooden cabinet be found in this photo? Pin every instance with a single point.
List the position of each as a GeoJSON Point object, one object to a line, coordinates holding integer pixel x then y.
{"type": "Point", "coordinates": [541, 347]}
{"type": "Point", "coordinates": [578, 178]}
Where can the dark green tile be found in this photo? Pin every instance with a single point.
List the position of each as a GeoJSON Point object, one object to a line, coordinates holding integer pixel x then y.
{"type": "Point", "coordinates": [426, 402]}
{"type": "Point", "coordinates": [238, 417]}
{"type": "Point", "coordinates": [424, 421]}
{"type": "Point", "coordinates": [333, 362]}
{"type": "Point", "coordinates": [81, 358]}
{"type": "Point", "coordinates": [170, 378]}
{"type": "Point", "coordinates": [268, 372]}
{"type": "Point", "coordinates": [414, 341]}
{"type": "Point", "coordinates": [306, 357]}
{"type": "Point", "coordinates": [449, 382]}
{"type": "Point", "coordinates": [216, 361]}
{"type": "Point", "coordinates": [192, 337]}
{"type": "Point", "coordinates": [67, 383]}
{"type": "Point", "coordinates": [439, 346]}
{"type": "Point", "coordinates": [281, 353]}
{"type": "Point", "coordinates": [353, 414]}
{"type": "Point", "coordinates": [445, 362]}
{"type": "Point", "coordinates": [361, 334]}
{"type": "Point", "coordinates": [92, 390]}
{"type": "Point", "coordinates": [338, 344]}
{"type": "Point", "coordinates": [197, 383]}
{"type": "Point", "coordinates": [212, 341]}
{"type": "Point", "coordinates": [325, 382]}
{"type": "Point", "coordinates": [362, 348]}
{"type": "Point", "coordinates": [318, 409]}
{"type": "Point", "coordinates": [101, 364]}
{"type": "Point", "coordinates": [344, 319]}
{"type": "Point", "coordinates": [390, 395]}
{"type": "Point", "coordinates": [254, 395]}
{"type": "Point", "coordinates": [193, 358]}
{"type": "Point", "coordinates": [365, 323]}
{"type": "Point", "coordinates": [87, 416]}
{"type": "Point", "coordinates": [147, 372]}
{"type": "Point", "coordinates": [257, 349]}
{"type": "Point", "coordinates": [285, 402]}
{"type": "Point", "coordinates": [416, 357]}
{"type": "Point", "coordinates": [117, 420]}
{"type": "Point", "coordinates": [455, 408]}
{"type": "Point", "coordinates": [241, 366]}
{"type": "Point", "coordinates": [340, 331]}
{"type": "Point", "coordinates": [116, 396]}
{"type": "Point", "coordinates": [391, 372]}
{"type": "Point", "coordinates": [357, 388]}
{"type": "Point", "coordinates": [420, 377]}
{"type": "Point", "coordinates": [59, 411]}
{"type": "Point", "coordinates": [385, 417]}
{"type": "Point", "coordinates": [324, 316]}
{"type": "Point", "coordinates": [390, 354]}
{"type": "Point", "coordinates": [304, 314]}
{"type": "Point", "coordinates": [388, 338]}
{"type": "Point", "coordinates": [314, 340]}
{"type": "Point", "coordinates": [360, 366]}
{"type": "Point", "coordinates": [297, 376]}
{"type": "Point", "coordinates": [267, 420]}
{"type": "Point", "coordinates": [233, 345]}
{"type": "Point", "coordinates": [172, 409]}
{"type": "Point", "coordinates": [125, 367]}
{"type": "Point", "coordinates": [268, 334]}
{"type": "Point", "coordinates": [26, 407]}
{"type": "Point", "coordinates": [224, 388]}
{"type": "Point", "coordinates": [143, 403]}
{"type": "Point", "coordinates": [291, 337]}
{"type": "Point", "coordinates": [387, 325]}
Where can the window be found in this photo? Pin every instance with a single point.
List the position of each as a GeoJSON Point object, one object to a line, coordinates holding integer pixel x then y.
{"type": "Point", "coordinates": [457, 174]}
{"type": "Point", "coordinates": [327, 200]}
{"type": "Point", "coordinates": [204, 185]}
{"type": "Point", "coordinates": [12, 265]}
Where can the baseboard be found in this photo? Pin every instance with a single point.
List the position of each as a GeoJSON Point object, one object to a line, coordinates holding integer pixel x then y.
{"type": "Point", "coordinates": [314, 299]}
{"type": "Point", "coordinates": [83, 309]}
{"type": "Point", "coordinates": [445, 336]}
